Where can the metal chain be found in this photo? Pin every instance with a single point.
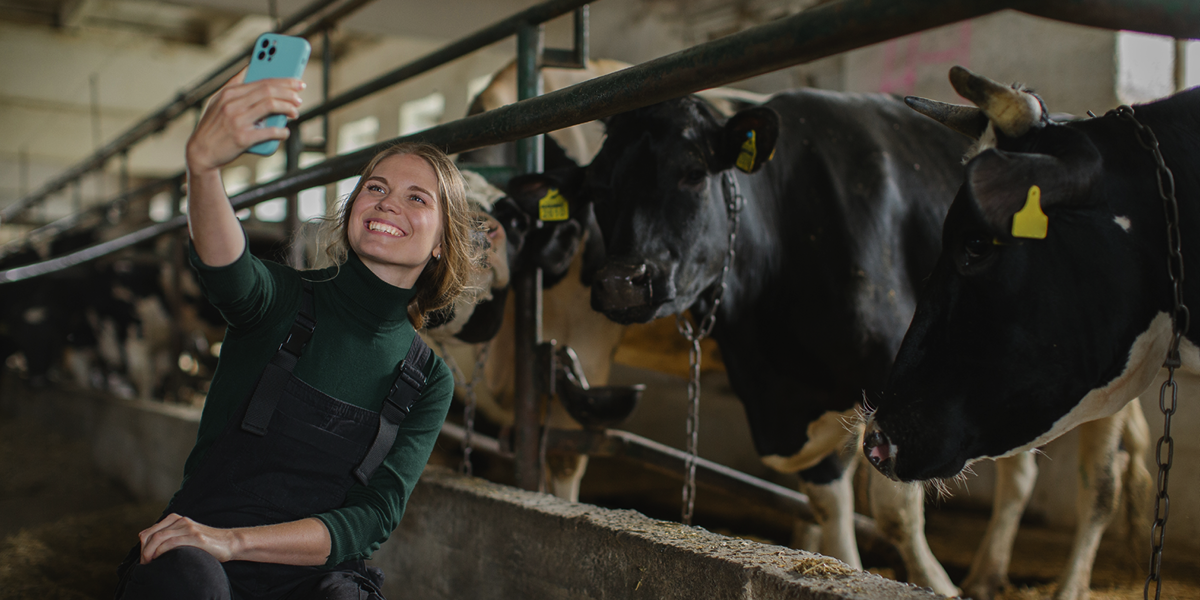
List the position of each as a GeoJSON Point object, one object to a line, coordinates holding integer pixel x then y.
{"type": "Point", "coordinates": [1180, 322]}
{"type": "Point", "coordinates": [733, 206]}
{"type": "Point", "coordinates": [469, 385]}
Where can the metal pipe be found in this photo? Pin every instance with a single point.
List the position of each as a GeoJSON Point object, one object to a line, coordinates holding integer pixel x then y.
{"type": "Point", "coordinates": [527, 286]}
{"type": "Point", "coordinates": [489, 35]}
{"type": "Point", "coordinates": [816, 33]}
{"type": "Point", "coordinates": [158, 121]}
{"type": "Point", "coordinates": [291, 220]}
{"type": "Point", "coordinates": [576, 57]}
{"type": "Point", "coordinates": [535, 15]}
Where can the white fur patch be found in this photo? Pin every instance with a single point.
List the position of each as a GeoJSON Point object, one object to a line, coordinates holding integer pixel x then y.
{"type": "Point", "coordinates": [1123, 222]}
{"type": "Point", "coordinates": [830, 433]}
{"type": "Point", "coordinates": [1145, 361]}
{"type": "Point", "coordinates": [985, 141]}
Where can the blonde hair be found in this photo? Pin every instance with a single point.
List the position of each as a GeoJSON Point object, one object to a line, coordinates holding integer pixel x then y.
{"type": "Point", "coordinates": [442, 280]}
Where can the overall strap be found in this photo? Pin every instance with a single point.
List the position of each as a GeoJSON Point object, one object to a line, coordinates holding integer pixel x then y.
{"type": "Point", "coordinates": [405, 391]}
{"type": "Point", "coordinates": [279, 370]}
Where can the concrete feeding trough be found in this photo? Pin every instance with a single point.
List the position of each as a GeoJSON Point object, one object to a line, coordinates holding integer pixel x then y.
{"type": "Point", "coordinates": [464, 537]}
{"type": "Point", "coordinates": [467, 537]}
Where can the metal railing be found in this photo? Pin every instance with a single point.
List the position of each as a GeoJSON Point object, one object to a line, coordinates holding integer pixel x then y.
{"type": "Point", "coordinates": [817, 33]}
{"type": "Point", "coordinates": [314, 18]}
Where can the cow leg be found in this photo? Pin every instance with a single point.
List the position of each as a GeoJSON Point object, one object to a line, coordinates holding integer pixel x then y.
{"type": "Point", "coordinates": [899, 510]}
{"type": "Point", "coordinates": [565, 472]}
{"type": "Point", "coordinates": [833, 506]}
{"type": "Point", "coordinates": [1015, 477]}
{"type": "Point", "coordinates": [1101, 466]}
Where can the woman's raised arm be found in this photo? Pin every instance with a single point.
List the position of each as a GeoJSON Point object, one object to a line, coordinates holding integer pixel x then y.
{"type": "Point", "coordinates": [225, 131]}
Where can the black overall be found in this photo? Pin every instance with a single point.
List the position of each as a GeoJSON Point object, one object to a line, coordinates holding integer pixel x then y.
{"type": "Point", "coordinates": [290, 452]}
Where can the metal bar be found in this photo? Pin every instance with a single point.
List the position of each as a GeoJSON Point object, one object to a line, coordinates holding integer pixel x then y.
{"type": "Point", "coordinates": [576, 57]}
{"type": "Point", "coordinates": [291, 220]}
{"type": "Point", "coordinates": [816, 33]}
{"type": "Point", "coordinates": [73, 220]}
{"type": "Point", "coordinates": [480, 39]}
{"type": "Point", "coordinates": [157, 121]}
{"type": "Point", "coordinates": [326, 67]}
{"type": "Point", "coordinates": [527, 286]}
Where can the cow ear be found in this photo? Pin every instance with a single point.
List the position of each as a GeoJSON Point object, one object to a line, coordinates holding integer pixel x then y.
{"type": "Point", "coordinates": [539, 197]}
{"type": "Point", "coordinates": [1011, 189]}
{"type": "Point", "coordinates": [748, 140]}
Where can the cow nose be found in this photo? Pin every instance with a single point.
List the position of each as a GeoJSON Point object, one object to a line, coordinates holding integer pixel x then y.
{"type": "Point", "coordinates": [622, 286]}
{"type": "Point", "coordinates": [879, 450]}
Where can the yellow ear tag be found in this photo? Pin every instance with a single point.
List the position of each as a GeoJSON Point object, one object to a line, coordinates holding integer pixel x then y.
{"type": "Point", "coordinates": [1031, 222]}
{"type": "Point", "coordinates": [745, 159]}
{"type": "Point", "coordinates": [553, 207]}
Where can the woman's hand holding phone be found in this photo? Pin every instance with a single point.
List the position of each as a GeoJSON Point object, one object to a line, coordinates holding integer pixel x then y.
{"type": "Point", "coordinates": [228, 127]}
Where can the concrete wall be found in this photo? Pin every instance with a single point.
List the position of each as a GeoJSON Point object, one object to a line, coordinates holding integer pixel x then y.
{"type": "Point", "coordinates": [467, 538]}
{"type": "Point", "coordinates": [464, 537]}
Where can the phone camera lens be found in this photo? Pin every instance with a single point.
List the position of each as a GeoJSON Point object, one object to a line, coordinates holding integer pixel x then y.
{"type": "Point", "coordinates": [262, 55]}
{"type": "Point", "coordinates": [265, 42]}
{"type": "Point", "coordinates": [271, 51]}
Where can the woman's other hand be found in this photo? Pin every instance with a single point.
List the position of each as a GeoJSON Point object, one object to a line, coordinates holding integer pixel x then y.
{"type": "Point", "coordinates": [175, 531]}
{"type": "Point", "coordinates": [304, 542]}
{"type": "Point", "coordinates": [227, 126]}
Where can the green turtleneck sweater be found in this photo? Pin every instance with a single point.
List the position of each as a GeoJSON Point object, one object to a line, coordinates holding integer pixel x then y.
{"type": "Point", "coordinates": [362, 334]}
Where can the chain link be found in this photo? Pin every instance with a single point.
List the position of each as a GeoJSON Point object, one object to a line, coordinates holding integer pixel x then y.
{"type": "Point", "coordinates": [1180, 322]}
{"type": "Point", "coordinates": [733, 206]}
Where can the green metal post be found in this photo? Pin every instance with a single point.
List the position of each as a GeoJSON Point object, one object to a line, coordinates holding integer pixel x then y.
{"type": "Point", "coordinates": [527, 287]}
{"type": "Point", "coordinates": [291, 221]}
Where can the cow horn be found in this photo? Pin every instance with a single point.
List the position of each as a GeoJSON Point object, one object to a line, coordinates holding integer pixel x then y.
{"type": "Point", "coordinates": [967, 120]}
{"type": "Point", "coordinates": [1012, 111]}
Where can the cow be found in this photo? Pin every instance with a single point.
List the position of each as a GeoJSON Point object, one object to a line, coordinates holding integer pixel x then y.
{"type": "Point", "coordinates": [835, 236]}
{"type": "Point", "coordinates": [1032, 325]}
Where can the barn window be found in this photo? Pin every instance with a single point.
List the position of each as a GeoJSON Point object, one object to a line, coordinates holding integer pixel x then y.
{"type": "Point", "coordinates": [422, 113]}
{"type": "Point", "coordinates": [270, 168]}
{"type": "Point", "coordinates": [1145, 67]}
{"type": "Point", "coordinates": [160, 207]}
{"type": "Point", "coordinates": [353, 136]}
{"type": "Point", "coordinates": [312, 200]}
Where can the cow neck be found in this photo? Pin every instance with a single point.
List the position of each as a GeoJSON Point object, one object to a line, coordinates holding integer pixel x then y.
{"type": "Point", "coordinates": [370, 294]}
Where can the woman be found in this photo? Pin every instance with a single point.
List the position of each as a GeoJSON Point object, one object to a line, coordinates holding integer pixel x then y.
{"type": "Point", "coordinates": [295, 479]}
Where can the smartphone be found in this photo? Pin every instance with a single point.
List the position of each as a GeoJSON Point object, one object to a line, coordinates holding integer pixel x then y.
{"type": "Point", "coordinates": [276, 55]}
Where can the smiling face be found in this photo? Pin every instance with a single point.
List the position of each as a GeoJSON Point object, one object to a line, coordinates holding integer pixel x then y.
{"type": "Point", "coordinates": [395, 223]}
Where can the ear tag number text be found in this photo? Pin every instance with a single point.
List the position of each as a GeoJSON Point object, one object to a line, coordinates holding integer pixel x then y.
{"type": "Point", "coordinates": [553, 207]}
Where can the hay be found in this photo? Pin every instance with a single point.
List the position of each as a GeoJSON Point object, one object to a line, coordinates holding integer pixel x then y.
{"type": "Point", "coordinates": [73, 558]}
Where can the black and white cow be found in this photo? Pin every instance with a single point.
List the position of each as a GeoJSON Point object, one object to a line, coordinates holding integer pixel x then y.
{"type": "Point", "coordinates": [836, 234]}
{"type": "Point", "coordinates": [1049, 305]}
{"type": "Point", "coordinates": [1019, 339]}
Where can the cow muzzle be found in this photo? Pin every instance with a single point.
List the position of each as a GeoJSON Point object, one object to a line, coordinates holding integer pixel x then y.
{"type": "Point", "coordinates": [880, 451]}
{"type": "Point", "coordinates": [622, 290]}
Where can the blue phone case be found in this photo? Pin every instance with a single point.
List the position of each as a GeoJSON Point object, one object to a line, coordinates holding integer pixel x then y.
{"type": "Point", "coordinates": [276, 55]}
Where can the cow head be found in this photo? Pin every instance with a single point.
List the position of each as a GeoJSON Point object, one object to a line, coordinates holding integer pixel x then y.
{"type": "Point", "coordinates": [560, 219]}
{"type": "Point", "coordinates": [656, 186]}
{"type": "Point", "coordinates": [1027, 327]}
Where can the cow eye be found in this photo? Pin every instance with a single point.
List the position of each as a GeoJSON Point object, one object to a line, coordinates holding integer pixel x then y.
{"type": "Point", "coordinates": [976, 249]}
{"type": "Point", "coordinates": [694, 177]}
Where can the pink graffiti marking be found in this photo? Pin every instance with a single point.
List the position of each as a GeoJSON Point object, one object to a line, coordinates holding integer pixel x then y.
{"type": "Point", "coordinates": [900, 66]}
